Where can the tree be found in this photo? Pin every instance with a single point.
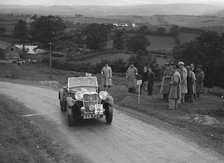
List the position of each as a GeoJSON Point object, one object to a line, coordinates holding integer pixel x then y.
{"type": "Point", "coordinates": [21, 31]}
{"type": "Point", "coordinates": [175, 30]}
{"type": "Point", "coordinates": [119, 39]}
{"type": "Point", "coordinates": [97, 35]}
{"type": "Point", "coordinates": [2, 30]}
{"type": "Point", "coordinates": [207, 50]}
{"type": "Point", "coordinates": [138, 42]}
{"type": "Point", "coordinates": [45, 29]}
{"type": "Point", "coordinates": [143, 29]}
{"type": "Point", "coordinates": [161, 30]}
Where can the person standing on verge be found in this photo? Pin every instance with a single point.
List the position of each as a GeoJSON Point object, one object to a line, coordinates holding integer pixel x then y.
{"type": "Point", "coordinates": [194, 84]}
{"type": "Point", "coordinates": [131, 74]}
{"type": "Point", "coordinates": [165, 85]}
{"type": "Point", "coordinates": [190, 84]}
{"type": "Point", "coordinates": [175, 89]}
{"type": "Point", "coordinates": [200, 76]}
{"type": "Point", "coordinates": [144, 80]}
{"type": "Point", "coordinates": [106, 76]}
{"type": "Point", "coordinates": [183, 73]}
{"type": "Point", "coordinates": [151, 78]}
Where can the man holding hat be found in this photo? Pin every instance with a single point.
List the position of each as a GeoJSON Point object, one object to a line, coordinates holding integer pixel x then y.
{"type": "Point", "coordinates": [183, 73]}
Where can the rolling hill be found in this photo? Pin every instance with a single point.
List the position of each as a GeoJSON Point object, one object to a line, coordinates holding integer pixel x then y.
{"type": "Point", "coordinates": [146, 10]}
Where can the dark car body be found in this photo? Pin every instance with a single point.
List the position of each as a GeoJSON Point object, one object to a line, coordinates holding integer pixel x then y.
{"type": "Point", "coordinates": [80, 100]}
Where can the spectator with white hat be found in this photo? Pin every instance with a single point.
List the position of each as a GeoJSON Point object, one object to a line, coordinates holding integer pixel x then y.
{"type": "Point", "coordinates": [183, 73]}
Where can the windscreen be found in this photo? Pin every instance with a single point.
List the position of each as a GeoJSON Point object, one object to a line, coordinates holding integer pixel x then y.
{"type": "Point", "coordinates": [82, 82]}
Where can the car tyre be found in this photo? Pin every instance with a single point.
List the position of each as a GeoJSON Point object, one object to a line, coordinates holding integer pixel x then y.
{"type": "Point", "coordinates": [61, 106]}
{"type": "Point", "coordinates": [109, 114]}
{"type": "Point", "coordinates": [70, 116]}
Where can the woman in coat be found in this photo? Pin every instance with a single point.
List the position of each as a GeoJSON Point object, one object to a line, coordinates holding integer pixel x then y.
{"type": "Point", "coordinates": [131, 74]}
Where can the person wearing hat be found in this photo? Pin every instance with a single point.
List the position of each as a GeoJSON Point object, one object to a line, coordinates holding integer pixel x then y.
{"type": "Point", "coordinates": [144, 79]}
{"type": "Point", "coordinates": [150, 80]}
{"type": "Point", "coordinates": [175, 89]}
{"type": "Point", "coordinates": [165, 85]}
{"type": "Point", "coordinates": [183, 73]}
{"type": "Point", "coordinates": [190, 84]}
{"type": "Point", "coordinates": [106, 76]}
{"type": "Point", "coordinates": [194, 84]}
{"type": "Point", "coordinates": [200, 76]}
{"type": "Point", "coordinates": [131, 76]}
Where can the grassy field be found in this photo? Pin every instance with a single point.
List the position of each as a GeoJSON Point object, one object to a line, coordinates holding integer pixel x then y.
{"type": "Point", "coordinates": [187, 37]}
{"type": "Point", "coordinates": [161, 43]}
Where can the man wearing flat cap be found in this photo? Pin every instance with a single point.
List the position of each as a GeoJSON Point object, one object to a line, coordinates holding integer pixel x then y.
{"type": "Point", "coordinates": [183, 73]}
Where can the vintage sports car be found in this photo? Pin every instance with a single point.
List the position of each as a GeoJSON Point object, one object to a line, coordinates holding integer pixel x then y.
{"type": "Point", "coordinates": [81, 99]}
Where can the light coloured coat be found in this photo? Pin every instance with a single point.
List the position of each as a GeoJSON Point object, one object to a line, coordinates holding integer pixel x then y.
{"type": "Point", "coordinates": [175, 88]}
{"type": "Point", "coordinates": [183, 80]}
{"type": "Point", "coordinates": [131, 74]}
{"type": "Point", "coordinates": [106, 75]}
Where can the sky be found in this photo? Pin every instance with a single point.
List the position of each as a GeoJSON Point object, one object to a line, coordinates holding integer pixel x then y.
{"type": "Point", "coordinates": [104, 2]}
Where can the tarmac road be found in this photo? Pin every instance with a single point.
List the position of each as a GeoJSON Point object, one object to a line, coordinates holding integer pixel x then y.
{"type": "Point", "coordinates": [125, 140]}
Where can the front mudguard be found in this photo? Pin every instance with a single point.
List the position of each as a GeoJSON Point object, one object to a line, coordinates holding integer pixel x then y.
{"type": "Point", "coordinates": [110, 100]}
{"type": "Point", "coordinates": [70, 101]}
{"type": "Point", "coordinates": [107, 103]}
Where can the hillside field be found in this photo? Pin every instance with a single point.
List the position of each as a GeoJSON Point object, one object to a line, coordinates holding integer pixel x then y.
{"type": "Point", "coordinates": [108, 57]}
{"type": "Point", "coordinates": [161, 43]}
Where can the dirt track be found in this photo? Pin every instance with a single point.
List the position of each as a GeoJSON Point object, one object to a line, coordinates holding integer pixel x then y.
{"type": "Point", "coordinates": [126, 140]}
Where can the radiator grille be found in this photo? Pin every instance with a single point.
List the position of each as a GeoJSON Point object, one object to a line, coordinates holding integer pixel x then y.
{"type": "Point", "coordinates": [89, 99]}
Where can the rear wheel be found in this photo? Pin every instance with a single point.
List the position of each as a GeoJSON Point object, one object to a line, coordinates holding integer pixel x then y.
{"type": "Point", "coordinates": [109, 114]}
{"type": "Point", "coordinates": [61, 106]}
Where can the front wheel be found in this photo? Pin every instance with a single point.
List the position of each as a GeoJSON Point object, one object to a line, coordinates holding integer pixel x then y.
{"type": "Point", "coordinates": [70, 116]}
{"type": "Point", "coordinates": [109, 114]}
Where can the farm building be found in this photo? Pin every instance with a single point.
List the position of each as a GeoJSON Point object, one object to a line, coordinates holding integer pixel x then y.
{"type": "Point", "coordinates": [9, 51]}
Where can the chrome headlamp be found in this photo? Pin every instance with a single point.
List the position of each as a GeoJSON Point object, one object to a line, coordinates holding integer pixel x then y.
{"type": "Point", "coordinates": [79, 96]}
{"type": "Point", "coordinates": [103, 95]}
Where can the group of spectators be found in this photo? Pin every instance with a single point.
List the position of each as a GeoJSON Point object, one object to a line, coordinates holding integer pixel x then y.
{"type": "Point", "coordinates": [148, 78]}
{"type": "Point", "coordinates": [180, 83]}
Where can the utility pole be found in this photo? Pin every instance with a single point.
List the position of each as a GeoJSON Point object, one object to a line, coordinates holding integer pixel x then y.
{"type": "Point", "coordinates": [50, 62]}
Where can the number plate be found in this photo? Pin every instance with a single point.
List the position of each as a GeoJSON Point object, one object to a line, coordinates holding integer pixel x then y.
{"type": "Point", "coordinates": [88, 116]}
{"type": "Point", "coordinates": [98, 109]}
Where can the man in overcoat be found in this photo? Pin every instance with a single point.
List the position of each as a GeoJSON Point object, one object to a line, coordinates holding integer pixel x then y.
{"type": "Point", "coordinates": [131, 75]}
{"type": "Point", "coordinates": [175, 89]}
{"type": "Point", "coordinates": [106, 73]}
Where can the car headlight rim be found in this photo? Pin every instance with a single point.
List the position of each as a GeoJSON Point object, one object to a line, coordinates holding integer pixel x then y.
{"type": "Point", "coordinates": [103, 95]}
{"type": "Point", "coordinates": [79, 96]}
